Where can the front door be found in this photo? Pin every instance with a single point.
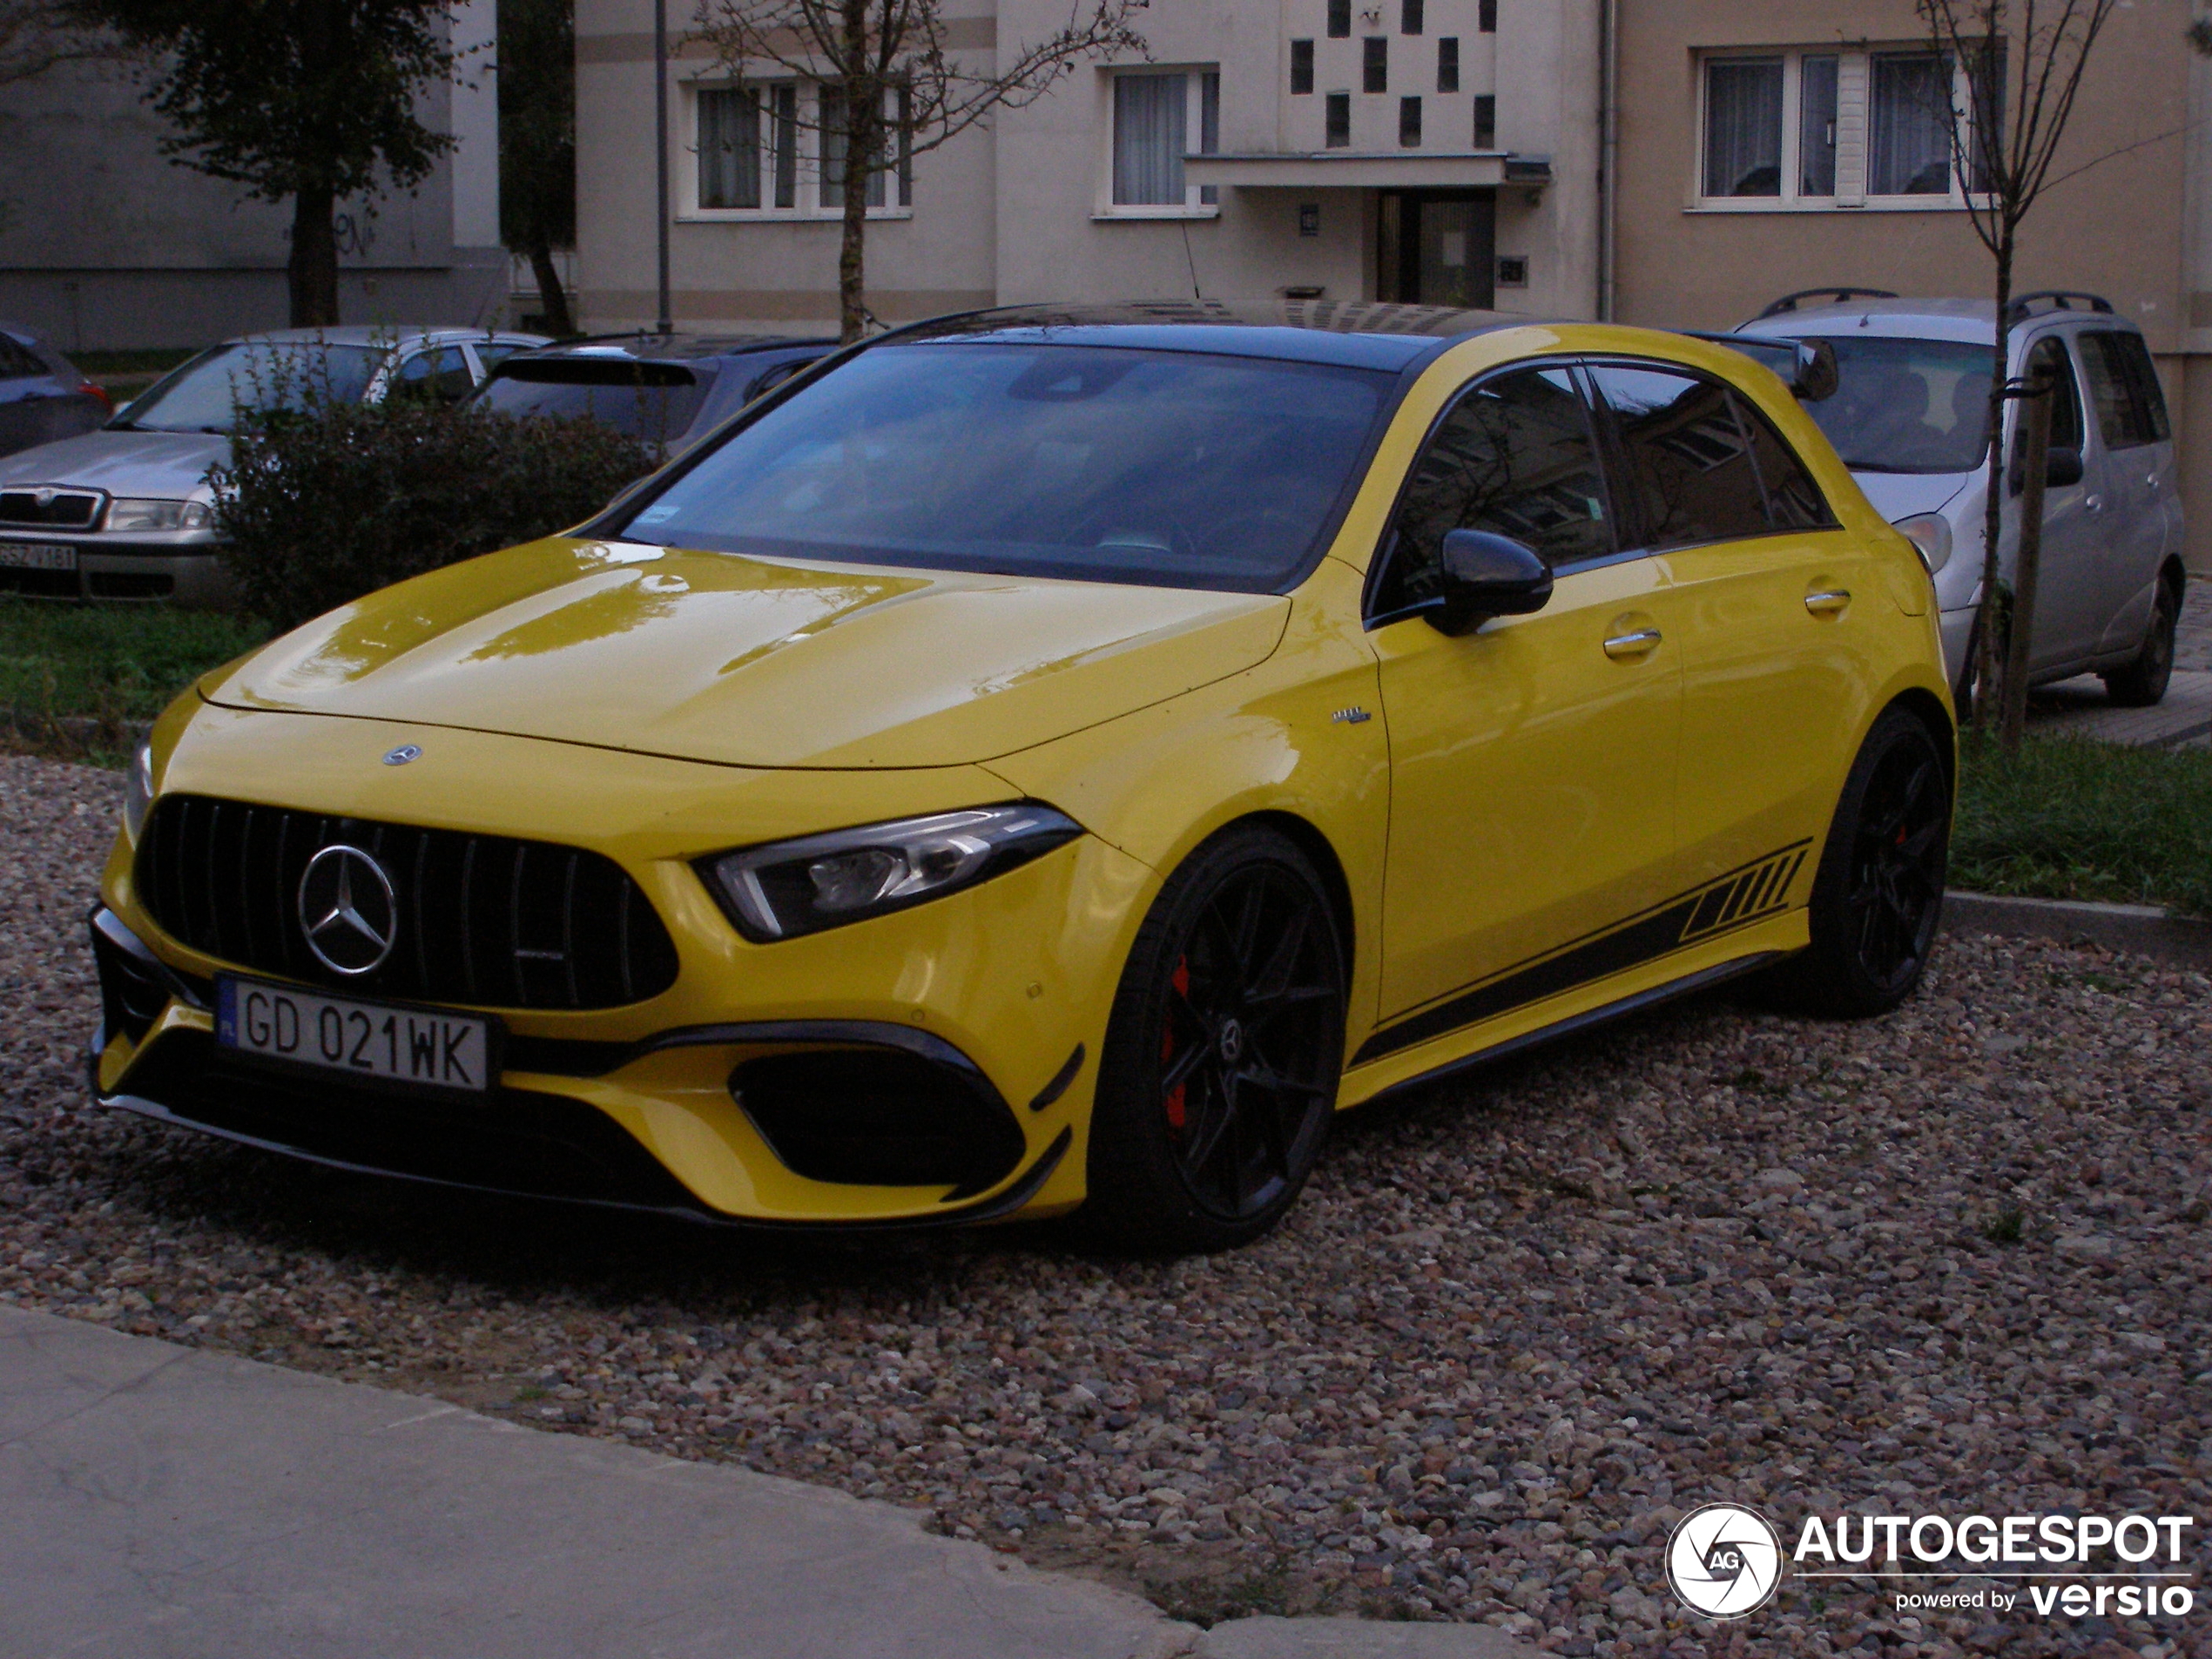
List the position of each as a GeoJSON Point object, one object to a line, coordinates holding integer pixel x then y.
{"type": "Point", "coordinates": [1533, 760]}
{"type": "Point", "coordinates": [1436, 247]}
{"type": "Point", "coordinates": [2070, 572]}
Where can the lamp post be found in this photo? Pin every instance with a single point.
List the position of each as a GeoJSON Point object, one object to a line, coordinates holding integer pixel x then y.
{"type": "Point", "coordinates": [665, 323]}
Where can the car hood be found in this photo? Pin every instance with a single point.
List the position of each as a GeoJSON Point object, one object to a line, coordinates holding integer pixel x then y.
{"type": "Point", "coordinates": [169, 464]}
{"type": "Point", "coordinates": [1903, 494]}
{"type": "Point", "coordinates": [753, 662]}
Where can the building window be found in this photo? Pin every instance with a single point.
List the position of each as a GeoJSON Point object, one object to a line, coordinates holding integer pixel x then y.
{"type": "Point", "coordinates": [1154, 114]}
{"type": "Point", "coordinates": [1409, 16]}
{"type": "Point", "coordinates": [1485, 121]}
{"type": "Point", "coordinates": [1409, 124]}
{"type": "Point", "coordinates": [1339, 19]}
{"type": "Point", "coordinates": [779, 149]}
{"type": "Point", "coordinates": [1827, 128]}
{"type": "Point", "coordinates": [1338, 120]}
{"type": "Point", "coordinates": [1301, 67]}
{"type": "Point", "coordinates": [1447, 63]}
{"type": "Point", "coordinates": [1374, 64]}
{"type": "Point", "coordinates": [1486, 17]}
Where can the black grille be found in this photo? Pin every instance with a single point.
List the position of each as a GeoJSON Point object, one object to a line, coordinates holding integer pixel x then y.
{"type": "Point", "coordinates": [69, 509]}
{"type": "Point", "coordinates": [481, 919]}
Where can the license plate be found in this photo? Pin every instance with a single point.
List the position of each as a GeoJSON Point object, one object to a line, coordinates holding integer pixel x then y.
{"type": "Point", "coordinates": [38, 556]}
{"type": "Point", "coordinates": [425, 1047]}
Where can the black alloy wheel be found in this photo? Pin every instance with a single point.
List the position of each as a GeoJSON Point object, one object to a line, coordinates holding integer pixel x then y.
{"type": "Point", "coordinates": [2141, 683]}
{"type": "Point", "coordinates": [1219, 1076]}
{"type": "Point", "coordinates": [1878, 896]}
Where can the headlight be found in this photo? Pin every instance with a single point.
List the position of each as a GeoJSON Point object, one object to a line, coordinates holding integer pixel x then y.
{"type": "Point", "coordinates": [137, 793]}
{"type": "Point", "coordinates": [1931, 533]}
{"type": "Point", "coordinates": [148, 515]}
{"type": "Point", "coordinates": [793, 888]}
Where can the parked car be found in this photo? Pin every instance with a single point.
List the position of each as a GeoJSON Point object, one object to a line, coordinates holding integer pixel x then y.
{"type": "Point", "coordinates": [125, 512]}
{"type": "Point", "coordinates": [669, 390]}
{"type": "Point", "coordinates": [1049, 758]}
{"type": "Point", "coordinates": [43, 396]}
{"type": "Point", "coordinates": [1910, 420]}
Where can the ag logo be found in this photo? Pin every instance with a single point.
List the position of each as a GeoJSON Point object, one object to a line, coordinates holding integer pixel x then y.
{"type": "Point", "coordinates": [1725, 1561]}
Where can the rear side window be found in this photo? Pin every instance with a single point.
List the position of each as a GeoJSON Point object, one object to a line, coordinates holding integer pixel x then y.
{"type": "Point", "coordinates": [2123, 386]}
{"type": "Point", "coordinates": [654, 402]}
{"type": "Point", "coordinates": [1793, 500]}
{"type": "Point", "coordinates": [2065, 412]}
{"type": "Point", "coordinates": [442, 375]}
{"type": "Point", "coordinates": [19, 362]}
{"type": "Point", "coordinates": [1515, 456]}
{"type": "Point", "coordinates": [1687, 457]}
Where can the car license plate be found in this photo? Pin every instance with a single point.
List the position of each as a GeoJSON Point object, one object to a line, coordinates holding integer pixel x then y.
{"type": "Point", "coordinates": [38, 556]}
{"type": "Point", "coordinates": [425, 1047]}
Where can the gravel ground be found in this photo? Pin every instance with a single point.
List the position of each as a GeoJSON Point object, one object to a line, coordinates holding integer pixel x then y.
{"type": "Point", "coordinates": [1955, 1260]}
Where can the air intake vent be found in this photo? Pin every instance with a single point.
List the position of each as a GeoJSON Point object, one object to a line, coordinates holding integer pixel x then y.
{"type": "Point", "coordinates": [61, 509]}
{"type": "Point", "coordinates": [479, 919]}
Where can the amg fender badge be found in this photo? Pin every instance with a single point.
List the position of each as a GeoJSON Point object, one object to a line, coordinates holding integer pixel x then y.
{"type": "Point", "coordinates": [1351, 717]}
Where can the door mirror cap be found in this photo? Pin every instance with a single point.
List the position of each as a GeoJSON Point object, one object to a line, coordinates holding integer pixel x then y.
{"type": "Point", "coordinates": [2062, 466]}
{"type": "Point", "coordinates": [1486, 576]}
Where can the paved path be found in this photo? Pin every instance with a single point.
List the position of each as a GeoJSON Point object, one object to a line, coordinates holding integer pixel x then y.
{"type": "Point", "coordinates": [158, 1502]}
{"type": "Point", "coordinates": [2079, 708]}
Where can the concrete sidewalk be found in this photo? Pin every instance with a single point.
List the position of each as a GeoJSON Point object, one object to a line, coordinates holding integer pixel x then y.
{"type": "Point", "coordinates": [157, 1502]}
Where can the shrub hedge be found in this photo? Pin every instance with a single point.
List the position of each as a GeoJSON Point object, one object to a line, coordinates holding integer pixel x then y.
{"type": "Point", "coordinates": [322, 506]}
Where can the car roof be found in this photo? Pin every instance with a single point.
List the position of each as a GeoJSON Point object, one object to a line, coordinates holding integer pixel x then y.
{"type": "Point", "coordinates": [675, 348]}
{"type": "Point", "coordinates": [1914, 319]}
{"type": "Point", "coordinates": [378, 334]}
{"type": "Point", "coordinates": [1349, 334]}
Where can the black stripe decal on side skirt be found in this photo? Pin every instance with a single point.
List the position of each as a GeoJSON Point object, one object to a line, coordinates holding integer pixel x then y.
{"type": "Point", "coordinates": [1737, 900]}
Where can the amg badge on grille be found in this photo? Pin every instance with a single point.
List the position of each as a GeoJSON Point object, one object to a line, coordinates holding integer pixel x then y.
{"type": "Point", "coordinates": [349, 910]}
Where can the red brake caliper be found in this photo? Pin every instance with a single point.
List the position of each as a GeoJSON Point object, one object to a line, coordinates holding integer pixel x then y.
{"type": "Point", "coordinates": [1182, 983]}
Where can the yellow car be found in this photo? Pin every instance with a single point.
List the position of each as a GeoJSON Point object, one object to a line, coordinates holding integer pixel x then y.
{"type": "Point", "coordinates": [1050, 759]}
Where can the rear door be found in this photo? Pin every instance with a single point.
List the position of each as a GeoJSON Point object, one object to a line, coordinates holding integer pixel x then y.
{"type": "Point", "coordinates": [2140, 501]}
{"type": "Point", "coordinates": [1776, 605]}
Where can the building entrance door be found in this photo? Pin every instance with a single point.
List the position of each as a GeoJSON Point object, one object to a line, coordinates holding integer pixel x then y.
{"type": "Point", "coordinates": [1436, 247]}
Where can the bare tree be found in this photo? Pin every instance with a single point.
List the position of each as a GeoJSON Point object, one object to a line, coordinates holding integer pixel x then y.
{"type": "Point", "coordinates": [36, 35]}
{"type": "Point", "coordinates": [892, 87]}
{"type": "Point", "coordinates": [2023, 61]}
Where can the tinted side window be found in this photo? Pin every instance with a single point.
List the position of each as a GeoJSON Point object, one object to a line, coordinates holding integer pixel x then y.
{"type": "Point", "coordinates": [1793, 500]}
{"type": "Point", "coordinates": [442, 375]}
{"type": "Point", "coordinates": [1515, 456]}
{"type": "Point", "coordinates": [2065, 413]}
{"type": "Point", "coordinates": [2131, 409]}
{"type": "Point", "coordinates": [19, 362]}
{"type": "Point", "coordinates": [1689, 461]}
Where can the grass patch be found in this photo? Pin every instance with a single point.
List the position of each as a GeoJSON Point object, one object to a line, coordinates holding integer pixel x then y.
{"type": "Point", "coordinates": [2075, 819]}
{"type": "Point", "coordinates": [110, 663]}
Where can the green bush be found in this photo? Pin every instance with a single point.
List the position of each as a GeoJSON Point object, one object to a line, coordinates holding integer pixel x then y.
{"type": "Point", "coordinates": [325, 505]}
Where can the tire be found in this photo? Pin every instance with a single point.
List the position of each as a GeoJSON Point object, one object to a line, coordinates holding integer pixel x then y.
{"type": "Point", "coordinates": [2142, 683]}
{"type": "Point", "coordinates": [1222, 1053]}
{"type": "Point", "coordinates": [1878, 895]}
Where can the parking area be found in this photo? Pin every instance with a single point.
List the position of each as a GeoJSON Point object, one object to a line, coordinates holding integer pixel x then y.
{"type": "Point", "coordinates": [1519, 1324]}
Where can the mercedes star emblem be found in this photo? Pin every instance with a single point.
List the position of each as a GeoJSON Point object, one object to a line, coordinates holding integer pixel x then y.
{"type": "Point", "coordinates": [402, 755]}
{"type": "Point", "coordinates": [349, 910]}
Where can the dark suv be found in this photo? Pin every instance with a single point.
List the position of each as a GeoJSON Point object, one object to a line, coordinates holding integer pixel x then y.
{"type": "Point", "coordinates": [668, 390]}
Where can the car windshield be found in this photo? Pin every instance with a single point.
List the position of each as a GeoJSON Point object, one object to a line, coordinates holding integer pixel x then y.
{"type": "Point", "coordinates": [1907, 405]}
{"type": "Point", "coordinates": [254, 376]}
{"type": "Point", "coordinates": [1167, 468]}
{"type": "Point", "coordinates": [655, 402]}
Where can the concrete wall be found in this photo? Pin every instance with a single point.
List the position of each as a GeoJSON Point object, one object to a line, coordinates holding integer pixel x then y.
{"type": "Point", "coordinates": [104, 243]}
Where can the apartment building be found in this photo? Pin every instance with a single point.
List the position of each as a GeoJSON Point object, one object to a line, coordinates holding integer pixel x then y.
{"type": "Point", "coordinates": [1437, 151]}
{"type": "Point", "coordinates": [1766, 147]}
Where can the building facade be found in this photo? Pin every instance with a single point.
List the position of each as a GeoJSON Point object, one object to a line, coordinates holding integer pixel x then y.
{"type": "Point", "coordinates": [1440, 151]}
{"type": "Point", "coordinates": [1768, 146]}
{"type": "Point", "coordinates": [104, 244]}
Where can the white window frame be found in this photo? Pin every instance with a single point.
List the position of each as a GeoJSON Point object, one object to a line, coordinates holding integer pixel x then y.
{"type": "Point", "coordinates": [807, 192]}
{"type": "Point", "coordinates": [1854, 133]}
{"type": "Point", "coordinates": [1194, 203]}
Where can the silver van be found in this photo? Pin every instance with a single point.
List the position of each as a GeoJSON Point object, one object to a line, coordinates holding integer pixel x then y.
{"type": "Point", "coordinates": [1909, 418]}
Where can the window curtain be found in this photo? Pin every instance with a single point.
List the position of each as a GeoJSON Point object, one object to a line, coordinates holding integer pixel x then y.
{"type": "Point", "coordinates": [1744, 128]}
{"type": "Point", "coordinates": [729, 147]}
{"type": "Point", "coordinates": [1910, 145]}
{"type": "Point", "coordinates": [1817, 128]}
{"type": "Point", "coordinates": [833, 122]}
{"type": "Point", "coordinates": [1149, 123]}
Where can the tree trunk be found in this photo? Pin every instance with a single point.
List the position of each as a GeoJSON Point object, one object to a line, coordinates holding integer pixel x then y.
{"type": "Point", "coordinates": [863, 113]}
{"type": "Point", "coordinates": [2035, 458]}
{"type": "Point", "coordinates": [1989, 621]}
{"type": "Point", "coordinates": [312, 271]}
{"type": "Point", "coordinates": [552, 298]}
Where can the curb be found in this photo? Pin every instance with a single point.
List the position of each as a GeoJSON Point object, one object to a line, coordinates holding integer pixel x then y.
{"type": "Point", "coordinates": [2145, 929]}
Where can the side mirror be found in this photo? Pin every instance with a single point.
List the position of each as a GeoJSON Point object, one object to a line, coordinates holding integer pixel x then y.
{"type": "Point", "coordinates": [1817, 377]}
{"type": "Point", "coordinates": [1488, 576]}
{"type": "Point", "coordinates": [2062, 466]}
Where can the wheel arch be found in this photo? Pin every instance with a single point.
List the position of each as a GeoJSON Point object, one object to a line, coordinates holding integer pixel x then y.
{"type": "Point", "coordinates": [1928, 709]}
{"type": "Point", "coordinates": [1308, 839]}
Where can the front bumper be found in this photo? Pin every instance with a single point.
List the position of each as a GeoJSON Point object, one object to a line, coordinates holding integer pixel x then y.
{"type": "Point", "coordinates": [185, 574]}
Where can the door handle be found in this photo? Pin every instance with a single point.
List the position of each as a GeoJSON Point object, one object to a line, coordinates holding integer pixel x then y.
{"type": "Point", "coordinates": [1828, 602]}
{"type": "Point", "coordinates": [2093, 502]}
{"type": "Point", "coordinates": [1642, 642]}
